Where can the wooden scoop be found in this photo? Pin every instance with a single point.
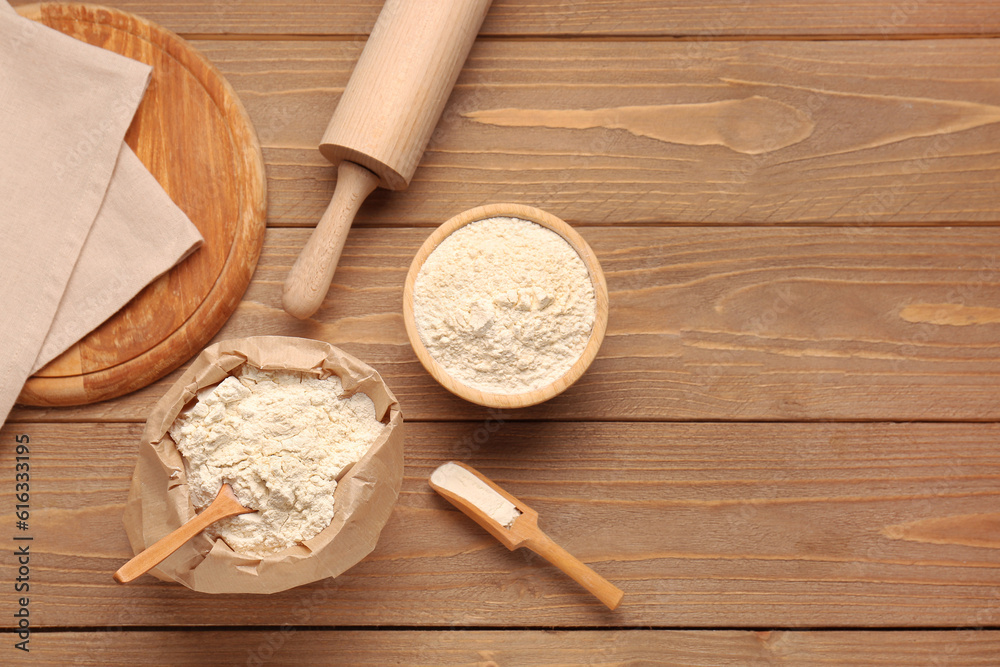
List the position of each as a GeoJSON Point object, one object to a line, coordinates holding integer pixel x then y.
{"type": "Point", "coordinates": [383, 122]}
{"type": "Point", "coordinates": [225, 504]}
{"type": "Point", "coordinates": [524, 532]}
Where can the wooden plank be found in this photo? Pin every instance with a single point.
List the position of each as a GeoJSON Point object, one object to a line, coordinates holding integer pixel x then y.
{"type": "Point", "coordinates": [710, 323]}
{"type": "Point", "coordinates": [667, 18]}
{"type": "Point", "coordinates": [292, 646]}
{"type": "Point", "coordinates": [862, 133]}
{"type": "Point", "coordinates": [702, 525]}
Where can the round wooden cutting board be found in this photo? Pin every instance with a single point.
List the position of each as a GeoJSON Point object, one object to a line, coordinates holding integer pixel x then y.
{"type": "Point", "coordinates": [193, 134]}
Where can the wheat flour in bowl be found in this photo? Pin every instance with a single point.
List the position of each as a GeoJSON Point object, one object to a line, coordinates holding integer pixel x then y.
{"type": "Point", "coordinates": [505, 305]}
{"type": "Point", "coordinates": [280, 439]}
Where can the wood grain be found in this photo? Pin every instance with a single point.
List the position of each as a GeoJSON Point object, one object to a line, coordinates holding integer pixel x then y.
{"type": "Point", "coordinates": [624, 118]}
{"type": "Point", "coordinates": [846, 133]}
{"type": "Point", "coordinates": [194, 136]}
{"type": "Point", "coordinates": [292, 646]}
{"type": "Point", "coordinates": [714, 323]}
{"type": "Point", "coordinates": [594, 18]}
{"type": "Point", "coordinates": [701, 525]}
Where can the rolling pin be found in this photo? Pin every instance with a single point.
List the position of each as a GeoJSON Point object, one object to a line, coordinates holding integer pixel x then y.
{"type": "Point", "coordinates": [383, 122]}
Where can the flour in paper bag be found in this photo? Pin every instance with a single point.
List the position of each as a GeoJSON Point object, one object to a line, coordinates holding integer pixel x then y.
{"type": "Point", "coordinates": [280, 439]}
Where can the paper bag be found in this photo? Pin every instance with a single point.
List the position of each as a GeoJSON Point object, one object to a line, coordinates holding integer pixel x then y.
{"type": "Point", "coordinates": [159, 499]}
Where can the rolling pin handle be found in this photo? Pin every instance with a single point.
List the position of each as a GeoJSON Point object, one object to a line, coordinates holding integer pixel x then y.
{"type": "Point", "coordinates": [308, 281]}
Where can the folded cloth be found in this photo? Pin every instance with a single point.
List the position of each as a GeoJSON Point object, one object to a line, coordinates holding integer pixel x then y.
{"type": "Point", "coordinates": [83, 226]}
{"type": "Point", "coordinates": [139, 234]}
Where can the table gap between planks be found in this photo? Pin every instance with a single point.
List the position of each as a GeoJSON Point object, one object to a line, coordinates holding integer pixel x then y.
{"type": "Point", "coordinates": [786, 452]}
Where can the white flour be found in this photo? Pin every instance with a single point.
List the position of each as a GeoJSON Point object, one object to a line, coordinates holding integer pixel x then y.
{"type": "Point", "coordinates": [505, 305]}
{"type": "Point", "coordinates": [281, 440]}
{"type": "Point", "coordinates": [453, 477]}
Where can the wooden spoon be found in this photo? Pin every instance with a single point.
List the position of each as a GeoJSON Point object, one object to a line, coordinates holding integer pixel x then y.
{"type": "Point", "coordinates": [523, 530]}
{"type": "Point", "coordinates": [225, 504]}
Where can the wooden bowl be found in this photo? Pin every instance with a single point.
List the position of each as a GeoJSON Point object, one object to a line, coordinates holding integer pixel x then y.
{"type": "Point", "coordinates": [549, 221]}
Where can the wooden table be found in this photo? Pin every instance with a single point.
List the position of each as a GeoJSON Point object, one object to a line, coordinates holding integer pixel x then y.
{"type": "Point", "coordinates": [787, 450]}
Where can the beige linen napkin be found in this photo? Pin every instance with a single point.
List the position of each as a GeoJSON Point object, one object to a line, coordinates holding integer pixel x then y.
{"type": "Point", "coordinates": [83, 226]}
{"type": "Point", "coordinates": [139, 234]}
